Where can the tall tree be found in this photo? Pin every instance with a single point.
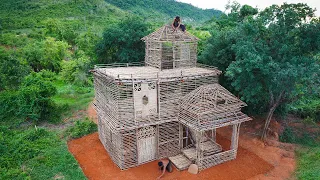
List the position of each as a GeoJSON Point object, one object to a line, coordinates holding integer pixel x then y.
{"type": "Point", "coordinates": [122, 41]}
{"type": "Point", "coordinates": [270, 58]}
{"type": "Point", "coordinates": [275, 55]}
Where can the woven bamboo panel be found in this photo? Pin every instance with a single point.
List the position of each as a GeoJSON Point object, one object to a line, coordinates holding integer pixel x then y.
{"type": "Point", "coordinates": [168, 139]}
{"type": "Point", "coordinates": [210, 148]}
{"type": "Point", "coordinates": [190, 153]}
{"type": "Point", "coordinates": [129, 149]}
{"type": "Point", "coordinates": [180, 161]}
{"type": "Point", "coordinates": [209, 161]}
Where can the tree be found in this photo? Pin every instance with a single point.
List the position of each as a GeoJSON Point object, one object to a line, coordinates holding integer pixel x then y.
{"type": "Point", "coordinates": [224, 34]}
{"type": "Point", "coordinates": [270, 57]}
{"type": "Point", "coordinates": [46, 54]}
{"type": "Point", "coordinates": [122, 42]}
{"type": "Point", "coordinates": [274, 55]}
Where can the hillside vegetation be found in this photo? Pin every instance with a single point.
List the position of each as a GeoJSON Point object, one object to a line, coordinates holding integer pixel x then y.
{"type": "Point", "coordinates": [165, 10]}
{"type": "Point", "coordinates": [23, 14]}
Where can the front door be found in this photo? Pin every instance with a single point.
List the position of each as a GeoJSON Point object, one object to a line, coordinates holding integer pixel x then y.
{"type": "Point", "coordinates": [146, 144]}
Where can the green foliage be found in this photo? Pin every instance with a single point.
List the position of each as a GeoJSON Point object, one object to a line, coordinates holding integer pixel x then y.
{"type": "Point", "coordinates": [13, 40]}
{"type": "Point", "coordinates": [122, 42]}
{"type": "Point", "coordinates": [35, 153]}
{"type": "Point", "coordinates": [298, 136]}
{"type": "Point", "coordinates": [23, 14]}
{"type": "Point", "coordinates": [12, 70]}
{"type": "Point", "coordinates": [62, 31]}
{"type": "Point", "coordinates": [32, 101]}
{"type": "Point", "coordinates": [76, 71]}
{"type": "Point", "coordinates": [307, 108]}
{"type": "Point", "coordinates": [288, 136]}
{"type": "Point", "coordinates": [86, 42]}
{"type": "Point", "coordinates": [81, 128]}
{"type": "Point", "coordinates": [308, 165]}
{"type": "Point", "coordinates": [46, 54]}
{"type": "Point", "coordinates": [35, 95]}
{"type": "Point", "coordinates": [156, 11]}
{"type": "Point", "coordinates": [267, 56]}
{"type": "Point", "coordinates": [72, 97]}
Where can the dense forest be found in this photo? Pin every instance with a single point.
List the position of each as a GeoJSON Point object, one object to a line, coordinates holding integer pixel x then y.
{"type": "Point", "coordinates": [269, 58]}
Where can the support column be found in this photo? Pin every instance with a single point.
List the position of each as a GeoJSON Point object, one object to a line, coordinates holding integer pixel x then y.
{"type": "Point", "coordinates": [235, 136]}
{"type": "Point", "coordinates": [214, 135]}
{"type": "Point", "coordinates": [180, 136]}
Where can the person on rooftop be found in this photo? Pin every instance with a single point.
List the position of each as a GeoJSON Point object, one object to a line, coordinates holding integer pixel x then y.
{"type": "Point", "coordinates": [177, 24]}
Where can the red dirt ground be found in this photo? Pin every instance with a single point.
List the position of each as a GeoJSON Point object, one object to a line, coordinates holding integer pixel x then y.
{"type": "Point", "coordinates": [255, 160]}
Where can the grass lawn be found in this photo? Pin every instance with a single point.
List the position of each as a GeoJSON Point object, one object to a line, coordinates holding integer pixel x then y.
{"type": "Point", "coordinates": [73, 97]}
{"type": "Point", "coordinates": [308, 163]}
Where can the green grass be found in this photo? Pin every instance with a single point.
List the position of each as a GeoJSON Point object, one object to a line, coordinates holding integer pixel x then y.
{"type": "Point", "coordinates": [35, 153]}
{"type": "Point", "coordinates": [28, 152]}
{"type": "Point", "coordinates": [81, 128]}
{"type": "Point", "coordinates": [73, 97]}
{"type": "Point", "coordinates": [308, 165]}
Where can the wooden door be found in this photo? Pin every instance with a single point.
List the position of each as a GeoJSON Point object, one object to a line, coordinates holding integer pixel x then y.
{"type": "Point", "coordinates": [147, 146]}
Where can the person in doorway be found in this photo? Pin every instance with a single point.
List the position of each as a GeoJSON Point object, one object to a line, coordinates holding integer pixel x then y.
{"type": "Point", "coordinates": [164, 165]}
{"type": "Point", "coordinates": [177, 24]}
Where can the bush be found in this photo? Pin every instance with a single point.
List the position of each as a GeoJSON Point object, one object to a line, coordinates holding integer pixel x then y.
{"type": "Point", "coordinates": [81, 128]}
{"type": "Point", "coordinates": [289, 135]}
{"type": "Point", "coordinates": [32, 101]}
{"type": "Point", "coordinates": [77, 71]}
{"type": "Point", "coordinates": [35, 153]}
{"type": "Point", "coordinates": [12, 70]}
{"type": "Point", "coordinates": [307, 108]}
{"type": "Point", "coordinates": [17, 147]}
{"type": "Point", "coordinates": [46, 54]}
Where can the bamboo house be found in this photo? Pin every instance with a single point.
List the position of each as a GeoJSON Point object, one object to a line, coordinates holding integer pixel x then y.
{"type": "Point", "coordinates": [167, 107]}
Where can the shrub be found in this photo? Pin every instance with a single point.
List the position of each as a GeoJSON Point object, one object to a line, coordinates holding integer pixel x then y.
{"type": "Point", "coordinates": [46, 54]}
{"type": "Point", "coordinates": [32, 101]}
{"type": "Point", "coordinates": [76, 70]}
{"type": "Point", "coordinates": [121, 42]}
{"type": "Point", "coordinates": [289, 135]}
{"type": "Point", "coordinates": [12, 70]}
{"type": "Point", "coordinates": [307, 108]}
{"type": "Point", "coordinates": [35, 153]}
{"type": "Point", "coordinates": [81, 128]}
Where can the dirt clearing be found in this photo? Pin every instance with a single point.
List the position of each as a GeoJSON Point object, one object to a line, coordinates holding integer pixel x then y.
{"type": "Point", "coordinates": [255, 160]}
{"type": "Point", "coordinates": [96, 165]}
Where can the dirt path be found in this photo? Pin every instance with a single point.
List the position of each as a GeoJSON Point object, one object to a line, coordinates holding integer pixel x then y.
{"type": "Point", "coordinates": [255, 160]}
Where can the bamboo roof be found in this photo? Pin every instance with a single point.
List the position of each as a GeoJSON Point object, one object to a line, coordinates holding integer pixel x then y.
{"type": "Point", "coordinates": [149, 72]}
{"type": "Point", "coordinates": [212, 97]}
{"type": "Point", "coordinates": [166, 33]}
{"type": "Point", "coordinates": [211, 106]}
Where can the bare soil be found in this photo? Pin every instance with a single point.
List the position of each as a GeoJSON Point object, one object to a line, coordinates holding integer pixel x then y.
{"type": "Point", "coordinates": [255, 160]}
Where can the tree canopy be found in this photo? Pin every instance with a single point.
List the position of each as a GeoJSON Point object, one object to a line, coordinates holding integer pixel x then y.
{"type": "Point", "coordinates": [122, 42]}
{"type": "Point", "coordinates": [269, 58]}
